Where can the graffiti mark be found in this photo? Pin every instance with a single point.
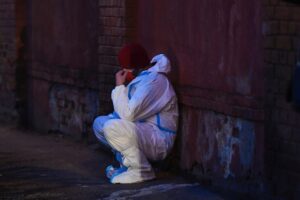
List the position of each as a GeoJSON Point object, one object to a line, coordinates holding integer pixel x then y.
{"type": "Point", "coordinates": [244, 140]}
{"type": "Point", "coordinates": [247, 141]}
{"type": "Point", "coordinates": [225, 145]}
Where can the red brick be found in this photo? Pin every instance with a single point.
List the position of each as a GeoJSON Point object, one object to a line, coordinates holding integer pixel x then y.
{"type": "Point", "coordinates": [108, 60]}
{"type": "Point", "coordinates": [295, 13]}
{"type": "Point", "coordinates": [271, 27]}
{"type": "Point", "coordinates": [7, 15]}
{"type": "Point", "coordinates": [292, 28]}
{"type": "Point", "coordinates": [283, 73]}
{"type": "Point", "coordinates": [265, 2]}
{"type": "Point", "coordinates": [7, 23]}
{"type": "Point", "coordinates": [7, 51]}
{"type": "Point", "coordinates": [290, 148]}
{"type": "Point", "coordinates": [292, 58]}
{"type": "Point", "coordinates": [112, 21]}
{"type": "Point", "coordinates": [288, 117]}
{"type": "Point", "coordinates": [112, 12]}
{"type": "Point", "coordinates": [295, 114]}
{"type": "Point", "coordinates": [273, 2]}
{"type": "Point", "coordinates": [267, 55]}
{"type": "Point", "coordinates": [284, 27]}
{"type": "Point", "coordinates": [111, 40]}
{"type": "Point", "coordinates": [284, 4]}
{"type": "Point", "coordinates": [8, 6]}
{"type": "Point", "coordinates": [297, 27]}
{"type": "Point", "coordinates": [276, 115]}
{"type": "Point", "coordinates": [283, 57]}
{"type": "Point", "coordinates": [107, 69]}
{"type": "Point", "coordinates": [282, 102]}
{"type": "Point", "coordinates": [282, 13]}
{"type": "Point", "coordinates": [112, 31]}
{"type": "Point", "coordinates": [283, 42]}
{"type": "Point", "coordinates": [111, 3]}
{"type": "Point", "coordinates": [130, 33]}
{"type": "Point", "coordinates": [108, 50]}
{"type": "Point", "coordinates": [131, 21]}
{"type": "Point", "coordinates": [275, 56]}
{"type": "Point", "coordinates": [296, 134]}
{"type": "Point", "coordinates": [288, 162]}
{"type": "Point", "coordinates": [296, 43]}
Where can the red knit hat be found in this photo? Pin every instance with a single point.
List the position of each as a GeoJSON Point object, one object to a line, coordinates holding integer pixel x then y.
{"type": "Point", "coordinates": [133, 56]}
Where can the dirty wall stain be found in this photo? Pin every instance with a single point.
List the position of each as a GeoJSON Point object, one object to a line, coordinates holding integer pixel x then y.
{"type": "Point", "coordinates": [220, 141]}
{"type": "Point", "coordinates": [72, 109]}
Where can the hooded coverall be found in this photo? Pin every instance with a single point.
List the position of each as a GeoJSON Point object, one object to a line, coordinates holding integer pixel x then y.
{"type": "Point", "coordinates": [144, 123]}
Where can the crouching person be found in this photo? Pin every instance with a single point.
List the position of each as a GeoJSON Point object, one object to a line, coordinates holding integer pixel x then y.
{"type": "Point", "coordinates": [143, 126]}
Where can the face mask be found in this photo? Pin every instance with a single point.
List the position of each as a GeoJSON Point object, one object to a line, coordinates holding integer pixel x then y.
{"type": "Point", "coordinates": [130, 76]}
{"type": "Point", "coordinates": [133, 74]}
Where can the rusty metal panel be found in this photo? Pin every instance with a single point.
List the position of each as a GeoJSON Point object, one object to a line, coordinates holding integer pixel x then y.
{"type": "Point", "coordinates": [64, 33]}
{"type": "Point", "coordinates": [63, 59]}
{"type": "Point", "coordinates": [212, 44]}
{"type": "Point", "coordinates": [215, 48]}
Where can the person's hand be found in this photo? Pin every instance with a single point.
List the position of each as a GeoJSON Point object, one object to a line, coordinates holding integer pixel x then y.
{"type": "Point", "coordinates": [121, 77]}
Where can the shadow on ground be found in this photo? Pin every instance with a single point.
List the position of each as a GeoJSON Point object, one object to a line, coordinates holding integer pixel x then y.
{"type": "Point", "coordinates": [39, 166]}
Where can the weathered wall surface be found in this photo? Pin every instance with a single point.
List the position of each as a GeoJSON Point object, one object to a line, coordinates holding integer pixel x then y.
{"type": "Point", "coordinates": [233, 63]}
{"type": "Point", "coordinates": [7, 58]}
{"type": "Point", "coordinates": [73, 61]}
{"type": "Point", "coordinates": [281, 29]}
{"type": "Point", "coordinates": [215, 49]}
{"type": "Point", "coordinates": [62, 86]}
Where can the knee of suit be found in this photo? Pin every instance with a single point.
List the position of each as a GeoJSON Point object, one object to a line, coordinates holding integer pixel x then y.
{"type": "Point", "coordinates": [98, 124]}
{"type": "Point", "coordinates": [96, 127]}
{"type": "Point", "coordinates": [111, 128]}
{"type": "Point", "coordinates": [120, 134]}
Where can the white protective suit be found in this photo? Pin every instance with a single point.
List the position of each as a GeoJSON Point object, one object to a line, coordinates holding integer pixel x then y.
{"type": "Point", "coordinates": [144, 123]}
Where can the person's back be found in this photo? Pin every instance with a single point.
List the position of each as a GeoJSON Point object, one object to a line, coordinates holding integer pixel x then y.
{"type": "Point", "coordinates": [144, 122]}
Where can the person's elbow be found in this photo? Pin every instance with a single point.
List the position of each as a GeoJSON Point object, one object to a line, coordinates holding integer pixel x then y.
{"type": "Point", "coordinates": [129, 115]}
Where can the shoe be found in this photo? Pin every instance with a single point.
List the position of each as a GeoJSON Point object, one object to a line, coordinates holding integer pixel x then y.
{"type": "Point", "coordinates": [110, 171]}
{"type": "Point", "coordinates": [132, 176]}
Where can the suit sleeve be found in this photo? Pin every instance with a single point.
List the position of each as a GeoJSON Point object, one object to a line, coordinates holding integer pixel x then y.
{"type": "Point", "coordinates": [146, 101]}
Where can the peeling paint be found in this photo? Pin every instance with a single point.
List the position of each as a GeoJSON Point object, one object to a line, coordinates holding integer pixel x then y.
{"type": "Point", "coordinates": [247, 141]}
{"type": "Point", "coordinates": [209, 138]}
{"type": "Point", "coordinates": [244, 141]}
{"type": "Point", "coordinates": [225, 146]}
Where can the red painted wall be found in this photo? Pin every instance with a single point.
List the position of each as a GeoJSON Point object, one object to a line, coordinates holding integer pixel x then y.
{"type": "Point", "coordinates": [216, 51]}
{"type": "Point", "coordinates": [64, 59]}
{"type": "Point", "coordinates": [64, 34]}
{"type": "Point", "coordinates": [215, 44]}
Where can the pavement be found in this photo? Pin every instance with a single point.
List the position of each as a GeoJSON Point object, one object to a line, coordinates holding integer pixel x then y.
{"type": "Point", "coordinates": [51, 166]}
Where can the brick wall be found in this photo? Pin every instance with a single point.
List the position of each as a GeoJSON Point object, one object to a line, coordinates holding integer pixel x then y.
{"type": "Point", "coordinates": [281, 30]}
{"type": "Point", "coordinates": [7, 57]}
{"type": "Point", "coordinates": [117, 27]}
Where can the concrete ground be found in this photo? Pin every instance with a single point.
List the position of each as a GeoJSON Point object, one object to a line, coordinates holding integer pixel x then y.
{"type": "Point", "coordinates": [39, 166]}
